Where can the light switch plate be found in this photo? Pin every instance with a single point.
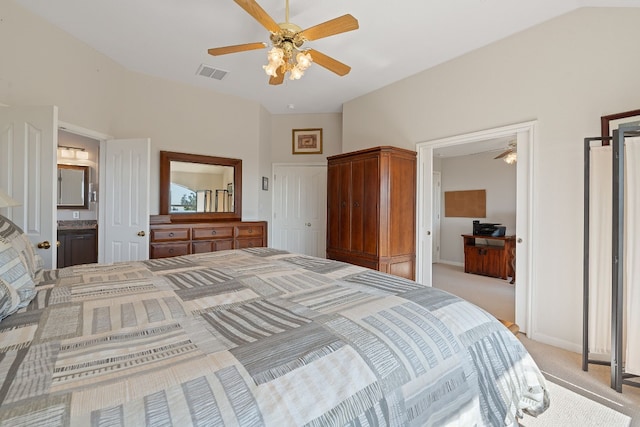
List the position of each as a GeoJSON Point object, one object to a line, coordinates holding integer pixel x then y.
{"type": "Point", "coordinates": [76, 214]}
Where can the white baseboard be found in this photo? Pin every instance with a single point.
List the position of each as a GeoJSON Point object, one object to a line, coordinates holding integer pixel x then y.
{"type": "Point", "coordinates": [563, 344]}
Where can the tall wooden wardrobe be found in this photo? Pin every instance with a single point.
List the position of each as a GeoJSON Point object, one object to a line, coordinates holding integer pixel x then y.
{"type": "Point", "coordinates": [371, 209]}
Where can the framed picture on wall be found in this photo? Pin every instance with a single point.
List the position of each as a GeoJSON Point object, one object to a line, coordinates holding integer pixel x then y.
{"type": "Point", "coordinates": [307, 141]}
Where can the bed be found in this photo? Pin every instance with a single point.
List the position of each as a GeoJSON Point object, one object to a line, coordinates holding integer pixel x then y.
{"type": "Point", "coordinates": [248, 338]}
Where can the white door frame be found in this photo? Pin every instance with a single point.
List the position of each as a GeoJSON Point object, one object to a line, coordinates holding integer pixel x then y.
{"type": "Point", "coordinates": [526, 134]}
{"type": "Point", "coordinates": [437, 198]}
{"type": "Point", "coordinates": [101, 137]}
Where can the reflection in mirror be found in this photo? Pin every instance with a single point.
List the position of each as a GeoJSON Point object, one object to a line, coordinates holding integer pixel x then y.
{"type": "Point", "coordinates": [201, 188]}
{"type": "Point", "coordinates": [73, 187]}
{"type": "Point", "coordinates": [195, 187]}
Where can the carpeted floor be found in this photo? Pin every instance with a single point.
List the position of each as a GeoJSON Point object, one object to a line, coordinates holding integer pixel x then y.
{"type": "Point", "coordinates": [559, 366]}
{"type": "Point", "coordinates": [571, 409]}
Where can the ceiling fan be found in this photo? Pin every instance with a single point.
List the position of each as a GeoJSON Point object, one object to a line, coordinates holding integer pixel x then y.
{"type": "Point", "coordinates": [287, 40]}
{"type": "Point", "coordinates": [510, 155]}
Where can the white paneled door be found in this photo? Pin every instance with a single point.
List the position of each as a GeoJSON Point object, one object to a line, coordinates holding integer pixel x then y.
{"type": "Point", "coordinates": [125, 199]}
{"type": "Point", "coordinates": [28, 141]}
{"type": "Point", "coordinates": [300, 208]}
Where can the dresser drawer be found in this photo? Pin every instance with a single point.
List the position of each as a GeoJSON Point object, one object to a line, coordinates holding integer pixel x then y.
{"type": "Point", "coordinates": [211, 245]}
{"type": "Point", "coordinates": [249, 231]}
{"type": "Point", "coordinates": [167, 235]}
{"type": "Point", "coordinates": [255, 242]}
{"type": "Point", "coordinates": [208, 233]}
{"type": "Point", "coordinates": [163, 250]}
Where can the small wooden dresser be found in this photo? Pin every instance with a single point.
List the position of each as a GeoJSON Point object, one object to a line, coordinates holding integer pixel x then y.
{"type": "Point", "coordinates": [487, 259]}
{"type": "Point", "coordinates": [184, 238]}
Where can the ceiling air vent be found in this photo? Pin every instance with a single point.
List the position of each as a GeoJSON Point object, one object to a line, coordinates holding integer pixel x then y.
{"type": "Point", "coordinates": [212, 73]}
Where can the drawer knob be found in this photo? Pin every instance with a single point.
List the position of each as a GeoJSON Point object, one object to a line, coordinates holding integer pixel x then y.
{"type": "Point", "coordinates": [250, 230]}
{"type": "Point", "coordinates": [213, 232]}
{"type": "Point", "coordinates": [171, 250]}
{"type": "Point", "coordinates": [171, 234]}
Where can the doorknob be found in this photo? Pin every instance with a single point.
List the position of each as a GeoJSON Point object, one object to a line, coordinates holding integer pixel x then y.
{"type": "Point", "coordinates": [141, 233]}
{"type": "Point", "coordinates": [519, 240]}
{"type": "Point", "coordinates": [308, 224]}
{"type": "Point", "coordinates": [44, 245]}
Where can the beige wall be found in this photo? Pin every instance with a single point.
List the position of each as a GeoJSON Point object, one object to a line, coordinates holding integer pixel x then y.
{"type": "Point", "coordinates": [43, 65]}
{"type": "Point", "coordinates": [282, 136]}
{"type": "Point", "coordinates": [561, 73]}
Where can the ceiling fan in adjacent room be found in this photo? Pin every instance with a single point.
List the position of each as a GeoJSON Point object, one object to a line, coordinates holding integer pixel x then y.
{"type": "Point", "coordinates": [287, 55]}
{"type": "Point", "coordinates": [510, 155]}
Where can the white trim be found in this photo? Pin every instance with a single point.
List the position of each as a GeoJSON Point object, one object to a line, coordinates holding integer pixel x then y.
{"type": "Point", "coordinates": [78, 130]}
{"type": "Point", "coordinates": [524, 302]}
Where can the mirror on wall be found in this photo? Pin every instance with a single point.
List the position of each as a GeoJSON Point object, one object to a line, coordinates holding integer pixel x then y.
{"type": "Point", "coordinates": [73, 187]}
{"type": "Point", "coordinates": [198, 187]}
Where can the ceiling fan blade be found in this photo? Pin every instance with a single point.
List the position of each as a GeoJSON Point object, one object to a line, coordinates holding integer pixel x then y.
{"type": "Point", "coordinates": [501, 155]}
{"type": "Point", "coordinates": [338, 25]}
{"type": "Point", "coordinates": [329, 63]}
{"type": "Point", "coordinates": [278, 79]}
{"type": "Point", "coordinates": [236, 48]}
{"type": "Point", "coordinates": [258, 13]}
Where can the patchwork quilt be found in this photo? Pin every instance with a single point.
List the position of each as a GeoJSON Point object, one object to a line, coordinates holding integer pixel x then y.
{"type": "Point", "coordinates": [257, 337]}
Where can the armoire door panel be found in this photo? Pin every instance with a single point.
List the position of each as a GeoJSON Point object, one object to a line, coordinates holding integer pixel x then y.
{"type": "Point", "coordinates": [333, 206]}
{"type": "Point", "coordinates": [402, 206]}
{"type": "Point", "coordinates": [357, 208]}
{"type": "Point", "coordinates": [344, 206]}
{"type": "Point", "coordinates": [371, 205]}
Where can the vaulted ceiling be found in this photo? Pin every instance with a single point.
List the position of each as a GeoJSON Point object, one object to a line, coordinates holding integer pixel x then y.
{"type": "Point", "coordinates": [170, 38]}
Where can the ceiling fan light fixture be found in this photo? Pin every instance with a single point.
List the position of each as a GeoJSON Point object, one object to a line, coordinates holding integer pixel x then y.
{"type": "Point", "coordinates": [283, 57]}
{"type": "Point", "coordinates": [303, 60]}
{"type": "Point", "coordinates": [511, 158]}
{"type": "Point", "coordinates": [287, 55]}
{"type": "Point", "coordinates": [275, 57]}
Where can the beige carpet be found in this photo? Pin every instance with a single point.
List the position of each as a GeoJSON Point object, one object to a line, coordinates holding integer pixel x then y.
{"type": "Point", "coordinates": [497, 296]}
{"type": "Point", "coordinates": [571, 409]}
{"type": "Point", "coordinates": [559, 366]}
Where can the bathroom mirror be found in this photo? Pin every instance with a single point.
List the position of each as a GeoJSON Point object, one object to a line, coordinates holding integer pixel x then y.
{"type": "Point", "coordinates": [73, 187]}
{"type": "Point", "coordinates": [197, 187]}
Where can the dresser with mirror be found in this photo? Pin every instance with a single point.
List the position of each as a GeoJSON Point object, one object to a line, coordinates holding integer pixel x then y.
{"type": "Point", "coordinates": [201, 207]}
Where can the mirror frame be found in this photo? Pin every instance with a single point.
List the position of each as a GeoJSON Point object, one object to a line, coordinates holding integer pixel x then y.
{"type": "Point", "coordinates": [85, 169]}
{"type": "Point", "coordinates": [166, 157]}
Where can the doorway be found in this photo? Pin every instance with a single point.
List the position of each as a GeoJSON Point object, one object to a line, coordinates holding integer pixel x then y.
{"type": "Point", "coordinates": [524, 134]}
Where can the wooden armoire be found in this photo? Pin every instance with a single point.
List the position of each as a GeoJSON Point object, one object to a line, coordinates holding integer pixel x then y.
{"type": "Point", "coordinates": [371, 209]}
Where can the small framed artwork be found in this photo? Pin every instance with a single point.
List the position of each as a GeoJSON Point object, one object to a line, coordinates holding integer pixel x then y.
{"type": "Point", "coordinates": [265, 183]}
{"type": "Point", "coordinates": [307, 141]}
